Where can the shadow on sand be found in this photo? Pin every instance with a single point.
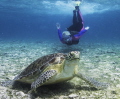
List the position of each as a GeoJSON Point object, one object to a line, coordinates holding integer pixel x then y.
{"type": "Point", "coordinates": [49, 91]}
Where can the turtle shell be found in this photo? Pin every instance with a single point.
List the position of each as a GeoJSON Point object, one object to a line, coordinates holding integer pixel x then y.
{"type": "Point", "coordinates": [38, 66]}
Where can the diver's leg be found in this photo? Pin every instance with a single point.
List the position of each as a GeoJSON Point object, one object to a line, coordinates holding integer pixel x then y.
{"type": "Point", "coordinates": [73, 26]}
{"type": "Point", "coordinates": [74, 17]}
{"type": "Point", "coordinates": [79, 15]}
{"type": "Point", "coordinates": [79, 19]}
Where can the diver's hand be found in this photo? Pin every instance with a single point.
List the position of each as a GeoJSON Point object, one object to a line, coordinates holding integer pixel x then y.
{"type": "Point", "coordinates": [87, 27]}
{"type": "Point", "coordinates": [58, 25]}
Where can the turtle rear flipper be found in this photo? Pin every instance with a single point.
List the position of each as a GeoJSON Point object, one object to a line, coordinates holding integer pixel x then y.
{"type": "Point", "coordinates": [43, 78]}
{"type": "Point", "coordinates": [93, 82]}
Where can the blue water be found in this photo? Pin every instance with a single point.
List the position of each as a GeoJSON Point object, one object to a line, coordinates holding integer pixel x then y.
{"type": "Point", "coordinates": [36, 19]}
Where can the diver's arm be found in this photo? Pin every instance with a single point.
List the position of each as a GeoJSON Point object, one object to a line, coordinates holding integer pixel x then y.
{"type": "Point", "coordinates": [59, 32]}
{"type": "Point", "coordinates": [77, 36]}
{"type": "Point", "coordinates": [60, 35]}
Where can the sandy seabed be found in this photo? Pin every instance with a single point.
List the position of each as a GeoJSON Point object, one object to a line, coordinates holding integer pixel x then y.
{"type": "Point", "coordinates": [98, 60]}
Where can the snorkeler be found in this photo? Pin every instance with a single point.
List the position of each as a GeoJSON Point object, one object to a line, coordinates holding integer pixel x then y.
{"type": "Point", "coordinates": [76, 30]}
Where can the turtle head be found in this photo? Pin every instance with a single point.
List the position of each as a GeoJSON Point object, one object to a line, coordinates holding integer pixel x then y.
{"type": "Point", "coordinates": [73, 55]}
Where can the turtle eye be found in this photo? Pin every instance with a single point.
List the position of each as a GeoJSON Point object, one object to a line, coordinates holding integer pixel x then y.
{"type": "Point", "coordinates": [70, 56]}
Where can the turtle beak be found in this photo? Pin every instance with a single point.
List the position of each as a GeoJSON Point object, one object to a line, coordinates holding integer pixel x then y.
{"type": "Point", "coordinates": [78, 58]}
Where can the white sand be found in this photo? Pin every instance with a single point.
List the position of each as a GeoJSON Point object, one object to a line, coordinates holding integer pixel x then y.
{"type": "Point", "coordinates": [101, 61]}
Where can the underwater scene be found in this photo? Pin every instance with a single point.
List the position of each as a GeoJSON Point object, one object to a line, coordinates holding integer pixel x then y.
{"type": "Point", "coordinates": [28, 32]}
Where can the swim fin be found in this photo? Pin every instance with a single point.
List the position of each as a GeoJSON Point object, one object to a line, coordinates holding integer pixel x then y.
{"type": "Point", "coordinates": [77, 2]}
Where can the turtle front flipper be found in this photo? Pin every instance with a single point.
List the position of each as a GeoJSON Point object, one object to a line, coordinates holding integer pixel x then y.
{"type": "Point", "coordinates": [93, 82]}
{"type": "Point", "coordinates": [44, 77]}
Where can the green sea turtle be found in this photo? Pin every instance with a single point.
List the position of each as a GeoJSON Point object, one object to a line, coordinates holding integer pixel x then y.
{"type": "Point", "coordinates": [54, 68]}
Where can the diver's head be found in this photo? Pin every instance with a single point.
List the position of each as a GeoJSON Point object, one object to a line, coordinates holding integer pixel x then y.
{"type": "Point", "coordinates": [66, 33]}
